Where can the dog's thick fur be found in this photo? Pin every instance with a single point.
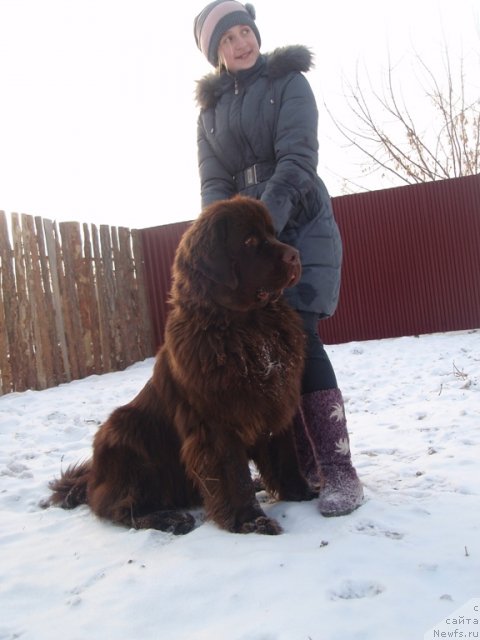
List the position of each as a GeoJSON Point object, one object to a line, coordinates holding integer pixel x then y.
{"type": "Point", "coordinates": [224, 390]}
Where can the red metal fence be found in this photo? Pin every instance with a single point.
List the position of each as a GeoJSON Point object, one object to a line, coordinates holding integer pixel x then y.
{"type": "Point", "coordinates": [411, 262]}
{"type": "Point", "coordinates": [159, 246]}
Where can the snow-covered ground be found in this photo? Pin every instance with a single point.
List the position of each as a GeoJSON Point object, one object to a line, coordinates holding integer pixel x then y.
{"type": "Point", "coordinates": [404, 561]}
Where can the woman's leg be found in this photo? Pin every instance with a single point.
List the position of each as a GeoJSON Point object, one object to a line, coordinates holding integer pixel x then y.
{"type": "Point", "coordinates": [318, 373]}
{"type": "Point", "coordinates": [321, 430]}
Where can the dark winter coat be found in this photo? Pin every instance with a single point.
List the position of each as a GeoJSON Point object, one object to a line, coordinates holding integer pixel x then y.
{"type": "Point", "coordinates": [257, 135]}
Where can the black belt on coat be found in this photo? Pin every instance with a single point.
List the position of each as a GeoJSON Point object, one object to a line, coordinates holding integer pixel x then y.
{"type": "Point", "coordinates": [255, 174]}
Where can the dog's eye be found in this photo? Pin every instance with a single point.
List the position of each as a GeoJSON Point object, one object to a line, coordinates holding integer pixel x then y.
{"type": "Point", "coordinates": [252, 241]}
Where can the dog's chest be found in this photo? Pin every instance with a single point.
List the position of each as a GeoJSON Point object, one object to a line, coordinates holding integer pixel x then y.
{"type": "Point", "coordinates": [265, 359]}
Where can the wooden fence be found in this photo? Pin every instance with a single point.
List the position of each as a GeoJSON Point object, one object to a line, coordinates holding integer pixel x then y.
{"type": "Point", "coordinates": [72, 302]}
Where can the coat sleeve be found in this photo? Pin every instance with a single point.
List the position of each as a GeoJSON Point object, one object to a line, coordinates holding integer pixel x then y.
{"type": "Point", "coordinates": [296, 151]}
{"type": "Point", "coordinates": [215, 181]}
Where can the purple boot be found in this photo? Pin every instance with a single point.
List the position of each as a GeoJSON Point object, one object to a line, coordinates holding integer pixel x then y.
{"type": "Point", "coordinates": [306, 457]}
{"type": "Point", "coordinates": [324, 452]}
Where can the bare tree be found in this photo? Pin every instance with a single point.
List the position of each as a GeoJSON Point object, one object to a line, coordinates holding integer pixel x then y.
{"type": "Point", "coordinates": [389, 132]}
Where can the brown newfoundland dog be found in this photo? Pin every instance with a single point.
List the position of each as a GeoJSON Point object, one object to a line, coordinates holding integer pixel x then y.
{"type": "Point", "coordinates": [224, 390]}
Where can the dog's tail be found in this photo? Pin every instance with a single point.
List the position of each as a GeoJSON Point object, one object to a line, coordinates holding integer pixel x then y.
{"type": "Point", "coordinates": [70, 490]}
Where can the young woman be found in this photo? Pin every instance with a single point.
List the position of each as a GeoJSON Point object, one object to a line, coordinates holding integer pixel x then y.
{"type": "Point", "coordinates": [257, 135]}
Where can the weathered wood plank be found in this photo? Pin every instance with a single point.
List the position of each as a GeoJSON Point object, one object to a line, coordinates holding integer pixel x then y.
{"type": "Point", "coordinates": [103, 319]}
{"type": "Point", "coordinates": [38, 361]}
{"type": "Point", "coordinates": [70, 305]}
{"type": "Point", "coordinates": [131, 295]}
{"type": "Point", "coordinates": [110, 297]}
{"type": "Point", "coordinates": [54, 263]}
{"type": "Point", "coordinates": [6, 379]}
{"type": "Point", "coordinates": [80, 279]}
{"type": "Point", "coordinates": [22, 349]}
{"type": "Point", "coordinates": [89, 275]}
{"type": "Point", "coordinates": [38, 294]}
{"type": "Point", "coordinates": [120, 306]}
{"type": "Point", "coordinates": [144, 319]}
{"type": "Point", "coordinates": [11, 304]}
{"type": "Point", "coordinates": [58, 373]}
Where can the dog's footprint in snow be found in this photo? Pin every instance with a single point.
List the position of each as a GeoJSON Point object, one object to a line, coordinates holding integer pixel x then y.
{"type": "Point", "coordinates": [372, 529]}
{"type": "Point", "coordinates": [73, 602]}
{"type": "Point", "coordinates": [79, 589]}
{"type": "Point", "coordinates": [57, 416]}
{"type": "Point", "coordinates": [16, 470]}
{"type": "Point", "coordinates": [355, 590]}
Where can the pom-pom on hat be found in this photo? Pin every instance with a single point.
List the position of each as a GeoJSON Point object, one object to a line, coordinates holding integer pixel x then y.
{"type": "Point", "coordinates": [217, 17]}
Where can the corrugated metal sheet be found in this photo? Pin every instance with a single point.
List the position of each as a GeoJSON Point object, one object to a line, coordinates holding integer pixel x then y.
{"type": "Point", "coordinates": [159, 246]}
{"type": "Point", "coordinates": [411, 262]}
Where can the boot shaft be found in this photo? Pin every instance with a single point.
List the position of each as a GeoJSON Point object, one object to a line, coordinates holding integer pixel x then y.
{"type": "Point", "coordinates": [326, 424]}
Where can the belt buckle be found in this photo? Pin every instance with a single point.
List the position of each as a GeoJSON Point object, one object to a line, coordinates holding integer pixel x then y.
{"type": "Point", "coordinates": [251, 175]}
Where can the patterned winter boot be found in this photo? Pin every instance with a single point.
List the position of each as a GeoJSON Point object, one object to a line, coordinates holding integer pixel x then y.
{"type": "Point", "coordinates": [330, 463]}
{"type": "Point", "coordinates": [305, 452]}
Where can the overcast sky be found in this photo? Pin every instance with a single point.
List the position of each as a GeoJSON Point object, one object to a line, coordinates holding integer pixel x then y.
{"type": "Point", "coordinates": [97, 114]}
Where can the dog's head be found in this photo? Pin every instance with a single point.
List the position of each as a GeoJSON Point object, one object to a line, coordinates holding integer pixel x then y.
{"type": "Point", "coordinates": [231, 257]}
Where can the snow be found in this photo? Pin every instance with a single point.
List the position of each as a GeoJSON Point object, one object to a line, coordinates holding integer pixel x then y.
{"type": "Point", "coordinates": [405, 560]}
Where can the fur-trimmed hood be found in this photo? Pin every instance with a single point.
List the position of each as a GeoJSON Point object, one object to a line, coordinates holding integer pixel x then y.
{"type": "Point", "coordinates": [276, 64]}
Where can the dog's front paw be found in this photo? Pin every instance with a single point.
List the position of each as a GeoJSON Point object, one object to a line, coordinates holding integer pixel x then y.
{"type": "Point", "coordinates": [261, 524]}
{"type": "Point", "coordinates": [174, 522]}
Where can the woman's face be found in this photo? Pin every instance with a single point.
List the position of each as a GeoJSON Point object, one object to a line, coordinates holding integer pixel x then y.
{"type": "Point", "coordinates": [238, 48]}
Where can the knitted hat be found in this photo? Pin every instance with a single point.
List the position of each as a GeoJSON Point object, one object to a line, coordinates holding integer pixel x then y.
{"type": "Point", "coordinates": [217, 17]}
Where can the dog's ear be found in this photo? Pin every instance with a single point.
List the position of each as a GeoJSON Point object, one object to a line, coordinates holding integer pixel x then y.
{"type": "Point", "coordinates": [214, 262]}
